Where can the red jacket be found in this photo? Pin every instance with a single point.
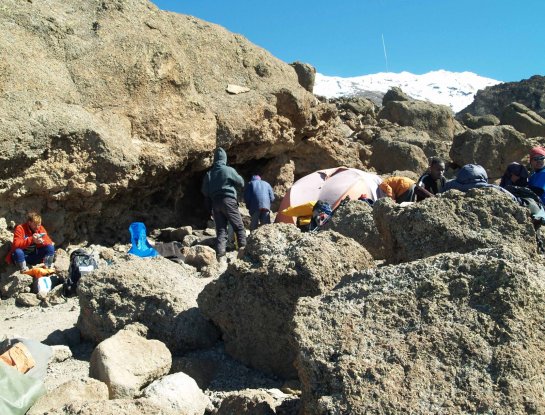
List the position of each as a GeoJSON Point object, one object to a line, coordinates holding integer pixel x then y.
{"type": "Point", "coordinates": [22, 238]}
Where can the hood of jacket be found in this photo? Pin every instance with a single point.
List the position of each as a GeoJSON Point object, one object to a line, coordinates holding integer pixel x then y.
{"type": "Point", "coordinates": [472, 173]}
{"type": "Point", "coordinates": [220, 157]}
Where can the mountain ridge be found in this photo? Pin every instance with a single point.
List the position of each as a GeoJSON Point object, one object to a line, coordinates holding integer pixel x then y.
{"type": "Point", "coordinates": [454, 89]}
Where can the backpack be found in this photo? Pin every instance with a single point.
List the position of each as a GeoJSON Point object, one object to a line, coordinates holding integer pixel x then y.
{"type": "Point", "coordinates": [81, 263]}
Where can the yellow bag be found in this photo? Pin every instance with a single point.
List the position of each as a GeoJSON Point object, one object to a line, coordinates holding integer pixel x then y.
{"type": "Point", "coordinates": [38, 272]}
{"type": "Point", "coordinates": [301, 210]}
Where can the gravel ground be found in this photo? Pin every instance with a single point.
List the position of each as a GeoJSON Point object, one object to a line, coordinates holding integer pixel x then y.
{"type": "Point", "coordinates": [49, 325]}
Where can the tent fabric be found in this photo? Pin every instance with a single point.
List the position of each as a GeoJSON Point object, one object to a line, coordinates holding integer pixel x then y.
{"type": "Point", "coordinates": [331, 186]}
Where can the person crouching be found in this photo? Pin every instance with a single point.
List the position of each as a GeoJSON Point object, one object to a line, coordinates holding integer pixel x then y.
{"type": "Point", "coordinates": [31, 244]}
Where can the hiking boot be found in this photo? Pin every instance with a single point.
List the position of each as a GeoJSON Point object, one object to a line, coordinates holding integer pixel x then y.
{"type": "Point", "coordinates": [222, 260]}
{"type": "Point", "coordinates": [48, 261]}
{"type": "Point", "coordinates": [22, 266]}
{"type": "Point", "coordinates": [240, 254]}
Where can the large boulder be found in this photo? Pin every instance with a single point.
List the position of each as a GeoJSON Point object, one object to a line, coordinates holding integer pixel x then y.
{"type": "Point", "coordinates": [355, 220]}
{"type": "Point", "coordinates": [121, 104]}
{"type": "Point", "coordinates": [253, 301]}
{"type": "Point", "coordinates": [437, 120]}
{"type": "Point", "coordinates": [80, 390]}
{"type": "Point", "coordinates": [306, 74]}
{"type": "Point", "coordinates": [452, 334]}
{"type": "Point", "coordinates": [478, 121]}
{"type": "Point", "coordinates": [455, 222]}
{"type": "Point", "coordinates": [258, 402]}
{"type": "Point", "coordinates": [113, 407]}
{"type": "Point", "coordinates": [156, 292]}
{"type": "Point", "coordinates": [493, 99]}
{"type": "Point", "coordinates": [127, 361]}
{"type": "Point", "coordinates": [12, 284]}
{"type": "Point", "coordinates": [390, 155]}
{"type": "Point", "coordinates": [524, 120]}
{"type": "Point", "coordinates": [177, 392]}
{"type": "Point", "coordinates": [493, 147]}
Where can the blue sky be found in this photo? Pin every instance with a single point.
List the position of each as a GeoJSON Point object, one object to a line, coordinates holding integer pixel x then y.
{"type": "Point", "coordinates": [500, 39]}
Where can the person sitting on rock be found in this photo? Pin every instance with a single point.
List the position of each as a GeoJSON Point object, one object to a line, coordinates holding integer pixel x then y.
{"type": "Point", "coordinates": [472, 176]}
{"type": "Point", "coordinates": [258, 196]}
{"type": "Point", "coordinates": [536, 181]}
{"type": "Point", "coordinates": [220, 185]}
{"type": "Point", "coordinates": [399, 188]}
{"type": "Point", "coordinates": [433, 180]}
{"type": "Point", "coordinates": [31, 244]}
{"type": "Point", "coordinates": [515, 175]}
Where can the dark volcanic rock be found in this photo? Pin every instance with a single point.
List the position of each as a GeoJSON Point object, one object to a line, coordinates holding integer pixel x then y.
{"type": "Point", "coordinates": [451, 334]}
{"type": "Point", "coordinates": [253, 301]}
{"type": "Point", "coordinates": [524, 120]}
{"type": "Point", "coordinates": [454, 222]}
{"type": "Point", "coordinates": [493, 99]}
{"type": "Point", "coordinates": [478, 121]}
{"type": "Point", "coordinates": [395, 94]}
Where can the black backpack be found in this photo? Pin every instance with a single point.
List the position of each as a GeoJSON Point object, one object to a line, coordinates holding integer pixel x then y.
{"type": "Point", "coordinates": [81, 262]}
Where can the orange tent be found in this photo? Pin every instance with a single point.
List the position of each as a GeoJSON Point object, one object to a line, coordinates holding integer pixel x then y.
{"type": "Point", "coordinates": [332, 186]}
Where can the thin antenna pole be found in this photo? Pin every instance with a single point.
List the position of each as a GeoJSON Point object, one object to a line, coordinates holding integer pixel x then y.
{"type": "Point", "coordinates": [385, 55]}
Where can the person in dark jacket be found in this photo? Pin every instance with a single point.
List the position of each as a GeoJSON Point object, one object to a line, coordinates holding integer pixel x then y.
{"type": "Point", "coordinates": [220, 185]}
{"type": "Point", "coordinates": [472, 176]}
{"type": "Point", "coordinates": [515, 175]}
{"type": "Point", "coordinates": [433, 180]}
{"type": "Point", "coordinates": [258, 196]}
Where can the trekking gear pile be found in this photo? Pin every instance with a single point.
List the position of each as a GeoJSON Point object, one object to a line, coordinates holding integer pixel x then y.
{"type": "Point", "coordinates": [81, 263]}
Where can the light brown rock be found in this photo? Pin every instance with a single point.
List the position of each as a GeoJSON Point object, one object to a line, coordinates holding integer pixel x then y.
{"type": "Point", "coordinates": [126, 362]}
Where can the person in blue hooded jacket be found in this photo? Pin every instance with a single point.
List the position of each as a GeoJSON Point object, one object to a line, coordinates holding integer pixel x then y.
{"type": "Point", "coordinates": [220, 186]}
{"type": "Point", "coordinates": [472, 176]}
{"type": "Point", "coordinates": [536, 182]}
{"type": "Point", "coordinates": [258, 196]}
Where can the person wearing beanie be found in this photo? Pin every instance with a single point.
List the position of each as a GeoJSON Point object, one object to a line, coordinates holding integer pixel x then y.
{"type": "Point", "coordinates": [515, 175]}
{"type": "Point", "coordinates": [258, 196]}
{"type": "Point", "coordinates": [220, 186]}
{"type": "Point", "coordinates": [536, 181]}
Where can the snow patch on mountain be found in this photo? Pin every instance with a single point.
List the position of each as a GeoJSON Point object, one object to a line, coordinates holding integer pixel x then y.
{"type": "Point", "coordinates": [454, 89]}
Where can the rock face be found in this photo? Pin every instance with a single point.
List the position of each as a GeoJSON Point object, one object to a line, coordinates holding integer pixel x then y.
{"type": "Point", "coordinates": [252, 302]}
{"type": "Point", "coordinates": [493, 99]}
{"type": "Point", "coordinates": [355, 220]}
{"type": "Point", "coordinates": [455, 333]}
{"type": "Point", "coordinates": [155, 292]}
{"type": "Point", "coordinates": [524, 120]}
{"type": "Point", "coordinates": [126, 362]}
{"type": "Point", "coordinates": [107, 105]}
{"type": "Point", "coordinates": [493, 147]}
{"type": "Point", "coordinates": [455, 222]}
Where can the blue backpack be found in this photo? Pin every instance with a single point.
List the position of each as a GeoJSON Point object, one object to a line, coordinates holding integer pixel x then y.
{"type": "Point", "coordinates": [140, 245]}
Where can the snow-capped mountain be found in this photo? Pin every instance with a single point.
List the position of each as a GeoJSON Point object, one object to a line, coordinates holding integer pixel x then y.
{"type": "Point", "coordinates": [455, 89]}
